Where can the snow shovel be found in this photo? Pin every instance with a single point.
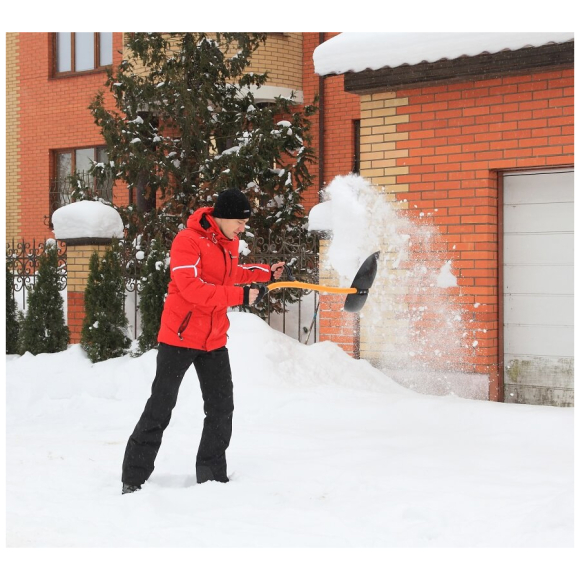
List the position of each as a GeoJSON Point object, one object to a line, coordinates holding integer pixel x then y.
{"type": "Point", "coordinates": [357, 293]}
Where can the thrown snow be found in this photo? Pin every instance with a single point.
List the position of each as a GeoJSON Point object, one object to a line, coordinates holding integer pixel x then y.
{"type": "Point", "coordinates": [320, 217]}
{"type": "Point", "coordinates": [407, 318]}
{"type": "Point", "coordinates": [446, 279]}
{"type": "Point", "coordinates": [87, 219]}
{"type": "Point", "coordinates": [350, 214]}
{"type": "Point", "coordinates": [358, 51]}
{"type": "Point", "coordinates": [326, 452]}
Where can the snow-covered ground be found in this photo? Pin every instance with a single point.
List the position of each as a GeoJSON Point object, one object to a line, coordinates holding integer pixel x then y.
{"type": "Point", "coordinates": [327, 452]}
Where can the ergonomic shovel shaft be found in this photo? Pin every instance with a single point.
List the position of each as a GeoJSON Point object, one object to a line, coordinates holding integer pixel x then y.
{"type": "Point", "coordinates": [306, 286]}
{"type": "Point", "coordinates": [357, 293]}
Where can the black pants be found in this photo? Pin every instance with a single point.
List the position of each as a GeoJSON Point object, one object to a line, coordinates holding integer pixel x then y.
{"type": "Point", "coordinates": [215, 378]}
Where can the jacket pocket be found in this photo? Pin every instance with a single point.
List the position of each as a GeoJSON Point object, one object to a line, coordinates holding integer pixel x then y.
{"type": "Point", "coordinates": [183, 325]}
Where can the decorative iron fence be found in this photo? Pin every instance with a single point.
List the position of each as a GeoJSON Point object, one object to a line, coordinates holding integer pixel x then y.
{"type": "Point", "coordinates": [134, 254]}
{"type": "Point", "coordinates": [22, 259]}
{"type": "Point", "coordinates": [293, 312]}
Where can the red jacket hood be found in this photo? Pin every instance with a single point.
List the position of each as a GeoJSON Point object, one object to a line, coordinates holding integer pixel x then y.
{"type": "Point", "coordinates": [194, 222]}
{"type": "Point", "coordinates": [206, 279]}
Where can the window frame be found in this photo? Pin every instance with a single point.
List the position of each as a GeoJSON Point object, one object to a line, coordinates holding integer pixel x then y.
{"type": "Point", "coordinates": [97, 68]}
{"type": "Point", "coordinates": [73, 150]}
{"type": "Point", "coordinates": [54, 195]}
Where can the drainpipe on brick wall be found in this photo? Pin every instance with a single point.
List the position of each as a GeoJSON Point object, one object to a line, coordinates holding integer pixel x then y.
{"type": "Point", "coordinates": [320, 127]}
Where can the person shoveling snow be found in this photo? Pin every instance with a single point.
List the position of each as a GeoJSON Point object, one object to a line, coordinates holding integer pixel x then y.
{"type": "Point", "coordinates": [193, 331]}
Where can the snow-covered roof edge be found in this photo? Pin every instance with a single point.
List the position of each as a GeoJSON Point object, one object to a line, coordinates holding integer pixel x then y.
{"type": "Point", "coordinates": [358, 51]}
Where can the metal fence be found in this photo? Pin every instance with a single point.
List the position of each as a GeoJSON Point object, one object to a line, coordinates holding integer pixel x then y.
{"type": "Point", "coordinates": [293, 312]}
{"type": "Point", "coordinates": [22, 260]}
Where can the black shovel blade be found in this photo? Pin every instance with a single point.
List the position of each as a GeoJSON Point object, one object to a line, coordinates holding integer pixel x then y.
{"type": "Point", "coordinates": [362, 282]}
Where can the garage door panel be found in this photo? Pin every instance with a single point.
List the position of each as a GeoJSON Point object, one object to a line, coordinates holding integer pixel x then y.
{"type": "Point", "coordinates": [540, 309]}
{"type": "Point", "coordinates": [539, 371]}
{"type": "Point", "coordinates": [538, 340]}
{"type": "Point", "coordinates": [537, 218]}
{"type": "Point", "coordinates": [538, 279]}
{"type": "Point", "coordinates": [539, 187]}
{"type": "Point", "coordinates": [539, 249]}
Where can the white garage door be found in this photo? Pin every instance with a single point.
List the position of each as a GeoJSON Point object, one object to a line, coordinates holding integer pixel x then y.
{"type": "Point", "coordinates": [538, 288]}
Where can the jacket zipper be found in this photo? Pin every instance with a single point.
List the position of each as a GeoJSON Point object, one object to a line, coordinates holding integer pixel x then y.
{"type": "Point", "coordinates": [183, 325]}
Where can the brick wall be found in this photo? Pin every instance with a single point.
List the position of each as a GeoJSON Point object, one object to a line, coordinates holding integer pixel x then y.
{"type": "Point", "coordinates": [281, 57]}
{"type": "Point", "coordinates": [310, 86]}
{"type": "Point", "coordinates": [339, 111]}
{"type": "Point", "coordinates": [53, 115]}
{"type": "Point", "coordinates": [78, 259]}
{"type": "Point", "coordinates": [440, 148]}
{"type": "Point", "coordinates": [338, 326]}
{"type": "Point", "coordinates": [49, 114]}
{"type": "Point", "coordinates": [13, 218]}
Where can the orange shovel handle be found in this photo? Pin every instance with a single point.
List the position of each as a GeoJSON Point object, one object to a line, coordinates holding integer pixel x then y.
{"type": "Point", "coordinates": [317, 287]}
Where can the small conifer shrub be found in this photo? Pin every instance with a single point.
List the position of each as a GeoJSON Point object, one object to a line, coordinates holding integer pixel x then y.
{"type": "Point", "coordinates": [104, 331]}
{"type": "Point", "coordinates": [44, 328]}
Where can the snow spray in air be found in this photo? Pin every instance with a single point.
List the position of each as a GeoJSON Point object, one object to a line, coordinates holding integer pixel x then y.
{"type": "Point", "coordinates": [412, 325]}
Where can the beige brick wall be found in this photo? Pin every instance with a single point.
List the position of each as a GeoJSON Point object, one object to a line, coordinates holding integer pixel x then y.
{"type": "Point", "coordinates": [382, 328]}
{"type": "Point", "coordinates": [12, 137]}
{"type": "Point", "coordinates": [281, 57]}
{"type": "Point", "coordinates": [379, 139]}
{"type": "Point", "coordinates": [77, 265]}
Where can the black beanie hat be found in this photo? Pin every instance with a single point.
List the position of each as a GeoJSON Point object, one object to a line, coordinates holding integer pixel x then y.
{"type": "Point", "coordinates": [232, 204]}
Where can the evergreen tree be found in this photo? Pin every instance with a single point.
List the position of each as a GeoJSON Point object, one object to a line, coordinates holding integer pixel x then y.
{"type": "Point", "coordinates": [12, 325]}
{"type": "Point", "coordinates": [155, 280]}
{"type": "Point", "coordinates": [185, 126]}
{"type": "Point", "coordinates": [104, 331]}
{"type": "Point", "coordinates": [44, 328]}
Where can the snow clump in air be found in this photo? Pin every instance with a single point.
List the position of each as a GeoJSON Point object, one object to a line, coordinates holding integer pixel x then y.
{"type": "Point", "coordinates": [410, 318]}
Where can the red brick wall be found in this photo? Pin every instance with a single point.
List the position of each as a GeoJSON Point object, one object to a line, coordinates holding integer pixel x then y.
{"type": "Point", "coordinates": [459, 137]}
{"type": "Point", "coordinates": [53, 115]}
{"type": "Point", "coordinates": [75, 315]}
{"type": "Point", "coordinates": [456, 140]}
{"type": "Point", "coordinates": [340, 110]}
{"type": "Point", "coordinates": [310, 87]}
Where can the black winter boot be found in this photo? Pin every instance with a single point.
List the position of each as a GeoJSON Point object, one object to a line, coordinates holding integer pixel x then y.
{"type": "Point", "coordinates": [127, 488]}
{"type": "Point", "coordinates": [205, 473]}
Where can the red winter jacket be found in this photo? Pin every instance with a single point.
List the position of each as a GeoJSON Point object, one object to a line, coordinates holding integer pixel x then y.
{"type": "Point", "coordinates": [204, 268]}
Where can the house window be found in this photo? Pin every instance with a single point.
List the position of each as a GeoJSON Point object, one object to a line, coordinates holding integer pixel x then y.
{"type": "Point", "coordinates": [74, 164]}
{"type": "Point", "coordinates": [82, 51]}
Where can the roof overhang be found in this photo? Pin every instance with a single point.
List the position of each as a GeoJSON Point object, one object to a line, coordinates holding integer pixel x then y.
{"type": "Point", "coordinates": [444, 71]}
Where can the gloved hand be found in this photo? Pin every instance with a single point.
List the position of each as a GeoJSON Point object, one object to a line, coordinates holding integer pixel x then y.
{"type": "Point", "coordinates": [253, 294]}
